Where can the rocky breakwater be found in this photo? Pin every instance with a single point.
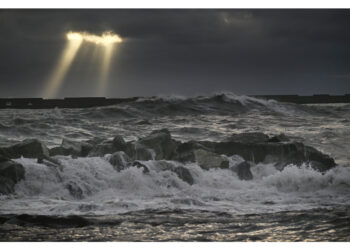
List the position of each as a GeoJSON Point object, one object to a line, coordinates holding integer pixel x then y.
{"type": "Point", "coordinates": [168, 154]}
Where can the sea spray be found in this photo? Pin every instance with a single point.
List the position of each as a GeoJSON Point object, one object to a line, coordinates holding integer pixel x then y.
{"type": "Point", "coordinates": [102, 190]}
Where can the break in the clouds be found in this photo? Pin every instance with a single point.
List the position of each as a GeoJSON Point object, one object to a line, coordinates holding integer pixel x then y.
{"type": "Point", "coordinates": [179, 51]}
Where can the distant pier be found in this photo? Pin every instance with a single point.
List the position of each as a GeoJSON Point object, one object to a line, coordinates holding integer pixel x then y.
{"type": "Point", "coordinates": [87, 102]}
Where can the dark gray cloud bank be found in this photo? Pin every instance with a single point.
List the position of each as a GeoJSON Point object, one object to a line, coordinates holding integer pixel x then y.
{"type": "Point", "coordinates": [182, 52]}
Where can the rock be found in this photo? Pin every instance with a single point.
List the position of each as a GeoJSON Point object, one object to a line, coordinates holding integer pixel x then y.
{"type": "Point", "coordinates": [317, 166]}
{"type": "Point", "coordinates": [119, 160]}
{"type": "Point", "coordinates": [76, 148]}
{"type": "Point", "coordinates": [75, 190]}
{"type": "Point", "coordinates": [208, 160]}
{"type": "Point", "coordinates": [102, 149]}
{"type": "Point", "coordinates": [185, 151]}
{"type": "Point", "coordinates": [320, 161]}
{"type": "Point", "coordinates": [161, 143]}
{"type": "Point", "coordinates": [257, 147]}
{"type": "Point", "coordinates": [119, 143]}
{"type": "Point", "coordinates": [29, 148]}
{"type": "Point", "coordinates": [137, 151]}
{"type": "Point", "coordinates": [108, 147]}
{"type": "Point", "coordinates": [163, 165]}
{"type": "Point", "coordinates": [184, 174]}
{"type": "Point", "coordinates": [243, 171]}
{"type": "Point", "coordinates": [59, 151]}
{"type": "Point", "coordinates": [140, 165]}
{"type": "Point", "coordinates": [249, 138]}
{"type": "Point", "coordinates": [285, 153]}
{"type": "Point", "coordinates": [10, 173]}
{"type": "Point", "coordinates": [96, 140]}
{"type": "Point", "coordinates": [279, 138]}
{"type": "Point", "coordinates": [272, 159]}
{"type": "Point", "coordinates": [51, 162]}
{"type": "Point", "coordinates": [276, 161]}
{"type": "Point", "coordinates": [3, 158]}
{"type": "Point", "coordinates": [254, 147]}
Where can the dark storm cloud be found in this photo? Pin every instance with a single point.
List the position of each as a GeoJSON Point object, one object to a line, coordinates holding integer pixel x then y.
{"type": "Point", "coordinates": [182, 51]}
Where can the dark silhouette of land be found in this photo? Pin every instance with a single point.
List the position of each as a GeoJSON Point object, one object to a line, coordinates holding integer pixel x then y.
{"type": "Point", "coordinates": [86, 102]}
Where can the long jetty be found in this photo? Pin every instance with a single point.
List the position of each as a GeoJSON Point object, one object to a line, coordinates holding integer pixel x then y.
{"type": "Point", "coordinates": [86, 102]}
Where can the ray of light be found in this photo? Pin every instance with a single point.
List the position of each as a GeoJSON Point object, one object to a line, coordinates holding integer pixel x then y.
{"type": "Point", "coordinates": [105, 66]}
{"type": "Point", "coordinates": [106, 42]}
{"type": "Point", "coordinates": [60, 71]}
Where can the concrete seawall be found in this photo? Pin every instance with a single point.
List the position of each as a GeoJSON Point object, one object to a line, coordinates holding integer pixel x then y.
{"type": "Point", "coordinates": [86, 102]}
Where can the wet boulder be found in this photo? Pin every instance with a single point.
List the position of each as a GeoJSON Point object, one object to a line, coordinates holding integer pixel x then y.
{"type": "Point", "coordinates": [118, 143]}
{"type": "Point", "coordinates": [185, 151]}
{"type": "Point", "coordinates": [299, 155]}
{"type": "Point", "coordinates": [137, 151]}
{"type": "Point", "coordinates": [284, 153]}
{"type": "Point", "coordinates": [257, 147]}
{"type": "Point", "coordinates": [140, 165]}
{"type": "Point", "coordinates": [318, 166]}
{"type": "Point", "coordinates": [59, 151]}
{"type": "Point", "coordinates": [243, 171]}
{"type": "Point", "coordinates": [119, 160]}
{"type": "Point", "coordinates": [74, 190]}
{"type": "Point", "coordinates": [73, 148]}
{"type": "Point", "coordinates": [108, 146]}
{"type": "Point", "coordinates": [276, 161]}
{"type": "Point", "coordinates": [29, 148]}
{"type": "Point", "coordinates": [52, 163]}
{"type": "Point", "coordinates": [102, 149]}
{"type": "Point", "coordinates": [161, 143]}
{"type": "Point", "coordinates": [319, 161]}
{"type": "Point", "coordinates": [10, 173]}
{"type": "Point", "coordinates": [95, 140]}
{"type": "Point", "coordinates": [184, 174]}
{"type": "Point", "coordinates": [76, 148]}
{"type": "Point", "coordinates": [208, 160]}
{"type": "Point", "coordinates": [163, 165]}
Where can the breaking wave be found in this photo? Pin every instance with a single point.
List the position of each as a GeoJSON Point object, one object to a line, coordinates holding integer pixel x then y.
{"type": "Point", "coordinates": [91, 186]}
{"type": "Point", "coordinates": [223, 102]}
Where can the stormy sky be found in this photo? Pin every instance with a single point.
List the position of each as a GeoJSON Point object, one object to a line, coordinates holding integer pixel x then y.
{"type": "Point", "coordinates": [184, 52]}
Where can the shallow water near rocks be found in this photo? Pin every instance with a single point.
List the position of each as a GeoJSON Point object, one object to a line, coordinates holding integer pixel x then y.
{"type": "Point", "coordinates": [295, 204]}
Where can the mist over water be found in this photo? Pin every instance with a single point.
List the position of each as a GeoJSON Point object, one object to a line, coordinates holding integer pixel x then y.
{"type": "Point", "coordinates": [104, 191]}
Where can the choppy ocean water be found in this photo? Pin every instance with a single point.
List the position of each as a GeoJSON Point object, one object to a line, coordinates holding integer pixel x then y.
{"type": "Point", "coordinates": [297, 203]}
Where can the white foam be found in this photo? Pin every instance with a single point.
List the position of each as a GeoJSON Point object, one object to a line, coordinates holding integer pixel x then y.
{"type": "Point", "coordinates": [106, 191]}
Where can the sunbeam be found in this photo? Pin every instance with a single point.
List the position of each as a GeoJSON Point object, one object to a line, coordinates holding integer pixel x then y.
{"type": "Point", "coordinates": [75, 39]}
{"type": "Point", "coordinates": [105, 66]}
{"type": "Point", "coordinates": [66, 59]}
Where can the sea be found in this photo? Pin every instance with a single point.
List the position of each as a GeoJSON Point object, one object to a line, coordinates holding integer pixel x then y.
{"type": "Point", "coordinates": [295, 204]}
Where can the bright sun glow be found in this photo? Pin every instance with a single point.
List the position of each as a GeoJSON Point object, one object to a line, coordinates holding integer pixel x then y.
{"type": "Point", "coordinates": [108, 40]}
{"type": "Point", "coordinates": [105, 39]}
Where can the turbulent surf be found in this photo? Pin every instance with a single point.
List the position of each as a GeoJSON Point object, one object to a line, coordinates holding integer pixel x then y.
{"type": "Point", "coordinates": [219, 167]}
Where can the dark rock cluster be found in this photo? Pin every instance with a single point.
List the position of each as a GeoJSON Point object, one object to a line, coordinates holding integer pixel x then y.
{"type": "Point", "coordinates": [159, 145]}
{"type": "Point", "coordinates": [10, 173]}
